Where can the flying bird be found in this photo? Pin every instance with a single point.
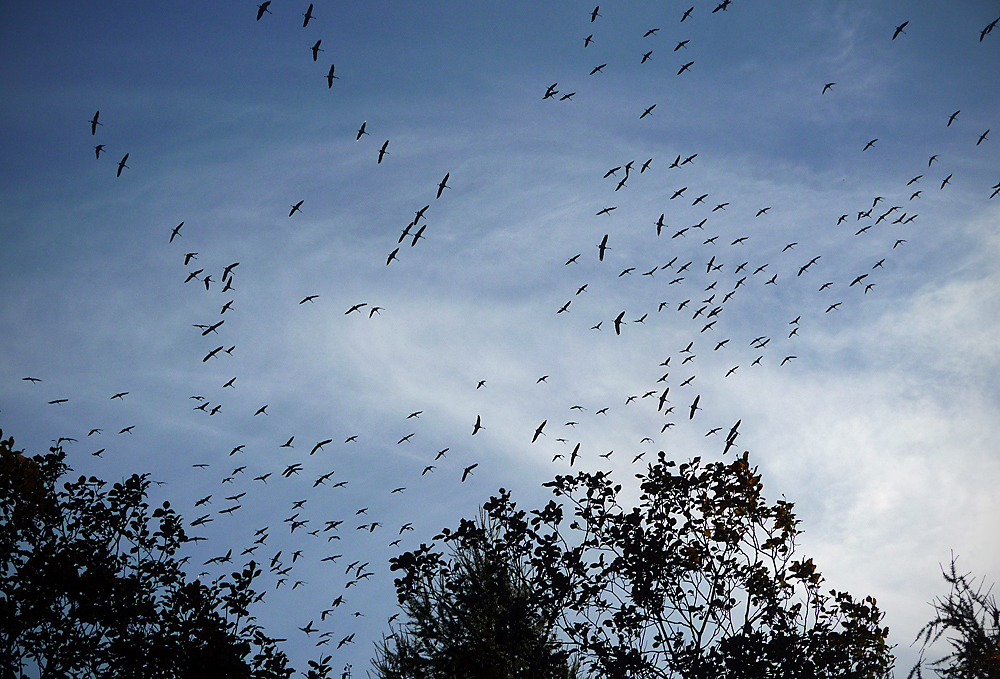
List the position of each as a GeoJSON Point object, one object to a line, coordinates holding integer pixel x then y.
{"type": "Point", "coordinates": [316, 50]}
{"type": "Point", "coordinates": [694, 407]}
{"type": "Point", "coordinates": [122, 165]}
{"type": "Point", "coordinates": [361, 130]}
{"type": "Point", "coordinates": [601, 248]}
{"type": "Point", "coordinates": [262, 8]}
{"type": "Point", "coordinates": [594, 14]}
{"type": "Point", "coordinates": [392, 256]}
{"type": "Point", "coordinates": [382, 151]}
{"type": "Point", "coordinates": [477, 426]}
{"type": "Point", "coordinates": [618, 323]}
{"type": "Point", "coordinates": [685, 67]}
{"type": "Point", "coordinates": [468, 470]}
{"type": "Point", "coordinates": [330, 77]}
{"type": "Point", "coordinates": [899, 29]}
{"type": "Point", "coordinates": [94, 124]}
{"type": "Point", "coordinates": [296, 208]}
{"type": "Point", "coordinates": [443, 185]}
{"type": "Point", "coordinates": [308, 15]}
{"type": "Point", "coordinates": [827, 86]}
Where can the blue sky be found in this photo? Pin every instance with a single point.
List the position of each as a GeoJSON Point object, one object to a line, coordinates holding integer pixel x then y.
{"type": "Point", "coordinates": [883, 430]}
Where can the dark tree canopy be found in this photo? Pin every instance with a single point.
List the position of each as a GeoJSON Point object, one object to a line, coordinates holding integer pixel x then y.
{"type": "Point", "coordinates": [474, 616]}
{"type": "Point", "coordinates": [971, 620]}
{"type": "Point", "coordinates": [699, 580]}
{"type": "Point", "coordinates": [90, 586]}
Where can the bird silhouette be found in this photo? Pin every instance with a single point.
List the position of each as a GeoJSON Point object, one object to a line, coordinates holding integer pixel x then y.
{"type": "Point", "coordinates": [443, 185]}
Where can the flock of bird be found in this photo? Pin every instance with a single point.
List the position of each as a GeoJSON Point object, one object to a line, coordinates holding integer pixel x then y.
{"type": "Point", "coordinates": [697, 292]}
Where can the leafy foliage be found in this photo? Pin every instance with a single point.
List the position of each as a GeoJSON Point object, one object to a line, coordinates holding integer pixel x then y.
{"type": "Point", "coordinates": [474, 615]}
{"type": "Point", "coordinates": [90, 586]}
{"type": "Point", "coordinates": [973, 618]}
{"type": "Point", "coordinates": [699, 580]}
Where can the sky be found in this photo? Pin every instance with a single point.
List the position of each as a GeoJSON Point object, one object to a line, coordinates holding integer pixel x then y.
{"type": "Point", "coordinates": [874, 407]}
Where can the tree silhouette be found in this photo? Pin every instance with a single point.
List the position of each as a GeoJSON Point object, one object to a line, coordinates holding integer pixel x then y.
{"type": "Point", "coordinates": [90, 586]}
{"type": "Point", "coordinates": [698, 580]}
{"type": "Point", "coordinates": [973, 621]}
{"type": "Point", "coordinates": [474, 615]}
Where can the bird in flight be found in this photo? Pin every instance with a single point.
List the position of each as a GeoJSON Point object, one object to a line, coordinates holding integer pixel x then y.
{"type": "Point", "coordinates": [122, 165]}
{"type": "Point", "coordinates": [869, 145]}
{"type": "Point", "coordinates": [468, 470]}
{"type": "Point", "coordinates": [262, 8]}
{"type": "Point", "coordinates": [899, 29]}
{"type": "Point", "coordinates": [308, 15]}
{"type": "Point", "coordinates": [598, 69]}
{"type": "Point", "coordinates": [176, 232]}
{"type": "Point", "coordinates": [827, 86]}
{"type": "Point", "coordinates": [316, 50]}
{"type": "Point", "coordinates": [694, 407]}
{"type": "Point", "coordinates": [685, 67]}
{"type": "Point", "coordinates": [443, 185]}
{"type": "Point", "coordinates": [477, 426]}
{"type": "Point", "coordinates": [952, 117]}
{"type": "Point", "coordinates": [594, 14]}
{"type": "Point", "coordinates": [361, 130]}
{"type": "Point", "coordinates": [644, 114]}
{"type": "Point", "coordinates": [382, 151]}
{"type": "Point", "coordinates": [94, 124]}
{"type": "Point", "coordinates": [687, 14]}
{"type": "Point", "coordinates": [601, 248]}
{"type": "Point", "coordinates": [296, 208]}
{"type": "Point", "coordinates": [989, 29]}
{"type": "Point", "coordinates": [618, 323]}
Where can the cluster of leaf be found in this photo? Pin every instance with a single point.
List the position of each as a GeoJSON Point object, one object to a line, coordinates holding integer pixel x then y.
{"type": "Point", "coordinates": [90, 586]}
{"type": "Point", "coordinates": [698, 580]}
{"type": "Point", "coordinates": [475, 615]}
{"type": "Point", "coordinates": [972, 620]}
